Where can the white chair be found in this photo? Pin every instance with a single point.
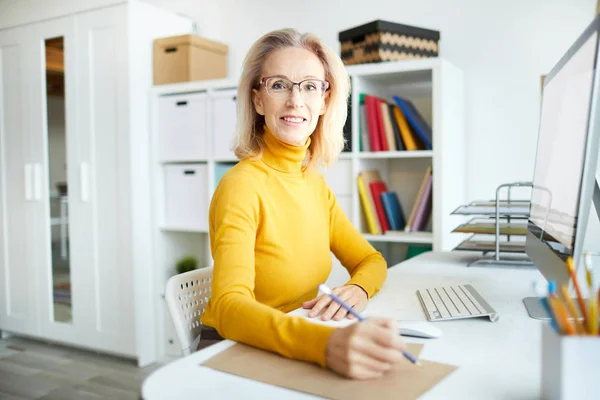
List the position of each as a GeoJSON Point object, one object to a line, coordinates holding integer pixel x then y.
{"type": "Point", "coordinates": [187, 295]}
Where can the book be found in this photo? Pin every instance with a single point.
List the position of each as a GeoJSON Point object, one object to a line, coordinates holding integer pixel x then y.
{"type": "Point", "coordinates": [424, 210]}
{"type": "Point", "coordinates": [410, 143]}
{"type": "Point", "coordinates": [372, 124]}
{"type": "Point", "coordinates": [368, 206]}
{"type": "Point", "coordinates": [413, 212]}
{"type": "Point", "coordinates": [399, 143]}
{"type": "Point", "coordinates": [393, 210]}
{"type": "Point", "coordinates": [385, 146]}
{"type": "Point", "coordinates": [364, 130]}
{"type": "Point", "coordinates": [378, 187]}
{"type": "Point", "coordinates": [416, 121]}
{"type": "Point", "coordinates": [387, 124]}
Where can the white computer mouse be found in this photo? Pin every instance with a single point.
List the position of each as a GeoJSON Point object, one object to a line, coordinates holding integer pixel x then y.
{"type": "Point", "coordinates": [421, 329]}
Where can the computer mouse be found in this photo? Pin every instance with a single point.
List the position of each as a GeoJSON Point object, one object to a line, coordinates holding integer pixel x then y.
{"type": "Point", "coordinates": [421, 329]}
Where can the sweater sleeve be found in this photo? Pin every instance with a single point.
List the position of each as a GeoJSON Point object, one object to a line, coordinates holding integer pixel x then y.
{"type": "Point", "coordinates": [232, 309]}
{"type": "Point", "coordinates": [367, 267]}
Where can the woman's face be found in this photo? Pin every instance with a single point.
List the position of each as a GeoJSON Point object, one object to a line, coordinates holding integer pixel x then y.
{"type": "Point", "coordinates": [291, 115]}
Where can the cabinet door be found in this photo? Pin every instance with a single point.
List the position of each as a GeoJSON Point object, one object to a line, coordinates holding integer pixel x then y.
{"type": "Point", "coordinates": [18, 189]}
{"type": "Point", "coordinates": [101, 232]}
{"type": "Point", "coordinates": [223, 119]}
{"type": "Point", "coordinates": [53, 113]}
{"type": "Point", "coordinates": [183, 127]}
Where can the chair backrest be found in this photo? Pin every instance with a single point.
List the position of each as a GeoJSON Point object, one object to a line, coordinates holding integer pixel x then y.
{"type": "Point", "coordinates": [187, 295]}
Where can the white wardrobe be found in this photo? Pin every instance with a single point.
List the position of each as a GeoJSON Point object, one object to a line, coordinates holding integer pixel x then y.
{"type": "Point", "coordinates": [80, 198]}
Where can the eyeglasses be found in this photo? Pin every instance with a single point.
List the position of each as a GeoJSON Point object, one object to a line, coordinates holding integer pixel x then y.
{"type": "Point", "coordinates": [280, 88]}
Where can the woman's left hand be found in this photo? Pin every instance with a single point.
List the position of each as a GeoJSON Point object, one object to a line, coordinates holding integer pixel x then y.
{"type": "Point", "coordinates": [352, 295]}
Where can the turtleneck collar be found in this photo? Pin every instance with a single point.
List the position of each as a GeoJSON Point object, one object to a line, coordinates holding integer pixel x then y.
{"type": "Point", "coordinates": [282, 156]}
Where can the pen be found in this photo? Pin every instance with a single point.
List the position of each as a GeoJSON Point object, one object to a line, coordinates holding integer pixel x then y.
{"type": "Point", "coordinates": [559, 311]}
{"type": "Point", "coordinates": [572, 309]}
{"type": "Point", "coordinates": [571, 269]}
{"type": "Point", "coordinates": [592, 322]}
{"type": "Point", "coordinates": [544, 302]}
{"type": "Point", "coordinates": [325, 289]}
{"type": "Point", "coordinates": [542, 296]}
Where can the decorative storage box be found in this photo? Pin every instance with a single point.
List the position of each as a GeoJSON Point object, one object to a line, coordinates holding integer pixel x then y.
{"type": "Point", "coordinates": [387, 41]}
{"type": "Point", "coordinates": [188, 58]}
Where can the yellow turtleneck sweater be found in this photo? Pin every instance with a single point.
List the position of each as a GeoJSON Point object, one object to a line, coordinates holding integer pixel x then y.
{"type": "Point", "coordinates": [273, 226]}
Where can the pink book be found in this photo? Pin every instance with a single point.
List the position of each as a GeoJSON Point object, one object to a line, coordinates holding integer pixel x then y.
{"type": "Point", "coordinates": [424, 210]}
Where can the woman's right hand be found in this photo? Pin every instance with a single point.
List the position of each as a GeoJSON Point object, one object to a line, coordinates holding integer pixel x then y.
{"type": "Point", "coordinates": [366, 349]}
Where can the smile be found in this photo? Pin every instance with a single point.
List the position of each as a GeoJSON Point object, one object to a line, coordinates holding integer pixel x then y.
{"type": "Point", "coordinates": [294, 120]}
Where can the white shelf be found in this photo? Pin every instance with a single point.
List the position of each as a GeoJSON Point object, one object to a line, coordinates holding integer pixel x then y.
{"type": "Point", "coordinates": [226, 160]}
{"type": "Point", "coordinates": [394, 67]}
{"type": "Point", "coordinates": [396, 154]}
{"type": "Point", "coordinates": [181, 229]}
{"type": "Point", "coordinates": [191, 87]}
{"type": "Point", "coordinates": [402, 237]}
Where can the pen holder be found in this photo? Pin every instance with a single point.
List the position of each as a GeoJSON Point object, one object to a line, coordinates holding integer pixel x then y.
{"type": "Point", "coordinates": [570, 365]}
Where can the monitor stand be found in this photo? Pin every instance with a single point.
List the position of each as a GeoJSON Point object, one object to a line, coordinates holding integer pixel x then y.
{"type": "Point", "coordinates": [535, 309]}
{"type": "Point", "coordinates": [532, 304]}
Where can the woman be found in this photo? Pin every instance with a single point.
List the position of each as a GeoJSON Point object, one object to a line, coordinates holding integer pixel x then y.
{"type": "Point", "coordinates": [274, 221]}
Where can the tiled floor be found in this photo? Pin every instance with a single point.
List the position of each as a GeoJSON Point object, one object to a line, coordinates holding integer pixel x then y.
{"type": "Point", "coordinates": [36, 370]}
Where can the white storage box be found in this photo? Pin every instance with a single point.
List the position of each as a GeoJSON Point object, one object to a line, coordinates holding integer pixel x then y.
{"type": "Point", "coordinates": [570, 366]}
{"type": "Point", "coordinates": [186, 197]}
{"type": "Point", "coordinates": [223, 112]}
{"type": "Point", "coordinates": [183, 127]}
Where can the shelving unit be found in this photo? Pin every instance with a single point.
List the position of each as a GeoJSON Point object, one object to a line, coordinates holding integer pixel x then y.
{"type": "Point", "coordinates": [436, 88]}
{"type": "Point", "coordinates": [433, 85]}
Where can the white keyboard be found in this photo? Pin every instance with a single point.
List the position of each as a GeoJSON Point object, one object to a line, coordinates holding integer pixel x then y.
{"type": "Point", "coordinates": [454, 302]}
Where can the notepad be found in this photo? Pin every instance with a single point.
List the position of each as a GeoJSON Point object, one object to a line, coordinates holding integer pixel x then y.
{"type": "Point", "coordinates": [407, 381]}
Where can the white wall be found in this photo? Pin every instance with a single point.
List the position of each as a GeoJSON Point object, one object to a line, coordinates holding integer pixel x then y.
{"type": "Point", "coordinates": [18, 12]}
{"type": "Point", "coordinates": [502, 47]}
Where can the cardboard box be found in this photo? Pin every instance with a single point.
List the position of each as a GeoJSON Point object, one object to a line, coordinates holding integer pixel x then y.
{"type": "Point", "coordinates": [188, 58]}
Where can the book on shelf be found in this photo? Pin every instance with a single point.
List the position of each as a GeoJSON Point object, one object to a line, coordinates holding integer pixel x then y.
{"type": "Point", "coordinates": [364, 132]}
{"type": "Point", "coordinates": [416, 120]}
{"type": "Point", "coordinates": [381, 207]}
{"type": "Point", "coordinates": [384, 126]}
{"type": "Point", "coordinates": [421, 211]}
{"type": "Point", "coordinates": [393, 211]}
{"type": "Point", "coordinates": [368, 205]}
{"type": "Point", "coordinates": [377, 188]}
{"type": "Point", "coordinates": [395, 128]}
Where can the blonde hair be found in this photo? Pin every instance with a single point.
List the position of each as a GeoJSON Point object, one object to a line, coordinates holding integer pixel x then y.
{"type": "Point", "coordinates": [327, 141]}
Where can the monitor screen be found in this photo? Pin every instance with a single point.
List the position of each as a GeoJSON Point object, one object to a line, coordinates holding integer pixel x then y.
{"type": "Point", "coordinates": [561, 150]}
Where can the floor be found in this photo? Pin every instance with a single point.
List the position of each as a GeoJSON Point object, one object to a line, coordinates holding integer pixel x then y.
{"type": "Point", "coordinates": [37, 370]}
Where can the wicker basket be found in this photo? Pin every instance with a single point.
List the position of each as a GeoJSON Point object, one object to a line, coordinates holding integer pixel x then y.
{"type": "Point", "coordinates": [387, 41]}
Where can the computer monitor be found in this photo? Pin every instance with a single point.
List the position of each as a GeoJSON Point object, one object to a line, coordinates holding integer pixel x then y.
{"type": "Point", "coordinates": [564, 184]}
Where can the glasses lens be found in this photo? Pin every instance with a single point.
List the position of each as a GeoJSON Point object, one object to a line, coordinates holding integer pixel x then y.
{"type": "Point", "coordinates": [278, 87]}
{"type": "Point", "coordinates": [312, 89]}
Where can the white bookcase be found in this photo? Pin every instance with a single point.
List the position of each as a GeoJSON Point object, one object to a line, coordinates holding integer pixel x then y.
{"type": "Point", "coordinates": [189, 115]}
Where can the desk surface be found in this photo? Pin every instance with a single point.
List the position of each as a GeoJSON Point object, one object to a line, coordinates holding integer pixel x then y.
{"type": "Point", "coordinates": [495, 359]}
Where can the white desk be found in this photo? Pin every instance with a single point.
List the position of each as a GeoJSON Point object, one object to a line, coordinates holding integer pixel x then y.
{"type": "Point", "coordinates": [495, 359]}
